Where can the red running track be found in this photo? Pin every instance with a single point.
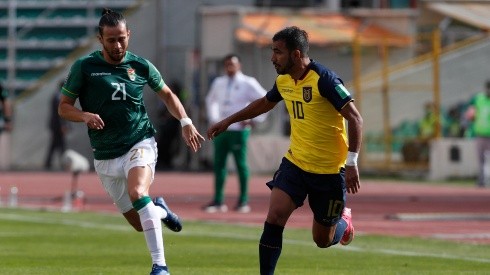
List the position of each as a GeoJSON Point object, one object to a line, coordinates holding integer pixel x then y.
{"type": "Point", "coordinates": [382, 207]}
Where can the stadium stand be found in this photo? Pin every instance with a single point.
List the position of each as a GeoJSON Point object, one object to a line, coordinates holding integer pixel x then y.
{"type": "Point", "coordinates": [40, 34]}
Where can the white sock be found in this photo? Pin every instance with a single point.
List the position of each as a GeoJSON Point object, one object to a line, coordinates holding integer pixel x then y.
{"type": "Point", "coordinates": [161, 212]}
{"type": "Point", "coordinates": [152, 228]}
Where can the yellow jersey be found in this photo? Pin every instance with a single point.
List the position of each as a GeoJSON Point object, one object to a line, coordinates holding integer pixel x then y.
{"type": "Point", "coordinates": [318, 142]}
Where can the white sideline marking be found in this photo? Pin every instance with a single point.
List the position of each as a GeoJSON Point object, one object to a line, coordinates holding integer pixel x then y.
{"type": "Point", "coordinates": [440, 217]}
{"type": "Point", "coordinates": [349, 247]}
{"type": "Point", "coordinates": [462, 236]}
{"type": "Point", "coordinates": [33, 219]}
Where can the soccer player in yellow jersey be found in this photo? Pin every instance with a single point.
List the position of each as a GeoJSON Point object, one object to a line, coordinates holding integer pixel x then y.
{"type": "Point", "coordinates": [321, 162]}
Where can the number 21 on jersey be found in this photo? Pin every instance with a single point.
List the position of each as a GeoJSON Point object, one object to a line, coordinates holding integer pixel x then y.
{"type": "Point", "coordinates": [120, 92]}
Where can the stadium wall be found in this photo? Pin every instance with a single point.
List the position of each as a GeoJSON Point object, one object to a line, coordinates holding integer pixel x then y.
{"type": "Point", "coordinates": [171, 48]}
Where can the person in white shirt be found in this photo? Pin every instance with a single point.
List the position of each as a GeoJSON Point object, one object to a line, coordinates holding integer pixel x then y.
{"type": "Point", "coordinates": [228, 94]}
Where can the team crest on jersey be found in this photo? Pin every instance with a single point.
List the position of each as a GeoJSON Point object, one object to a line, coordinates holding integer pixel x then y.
{"type": "Point", "coordinates": [307, 94]}
{"type": "Point", "coordinates": [131, 74]}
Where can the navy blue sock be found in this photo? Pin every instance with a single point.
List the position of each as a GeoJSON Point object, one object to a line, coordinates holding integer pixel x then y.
{"type": "Point", "coordinates": [339, 231]}
{"type": "Point", "coordinates": [270, 247]}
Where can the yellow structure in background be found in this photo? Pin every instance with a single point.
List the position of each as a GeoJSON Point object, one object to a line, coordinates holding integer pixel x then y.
{"type": "Point", "coordinates": [433, 57]}
{"type": "Point", "coordinates": [384, 45]}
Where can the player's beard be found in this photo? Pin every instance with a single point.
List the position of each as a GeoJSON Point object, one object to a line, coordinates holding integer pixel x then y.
{"type": "Point", "coordinates": [115, 57]}
{"type": "Point", "coordinates": [286, 68]}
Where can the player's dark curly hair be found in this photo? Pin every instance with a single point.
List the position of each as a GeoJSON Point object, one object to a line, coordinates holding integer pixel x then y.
{"type": "Point", "coordinates": [110, 18]}
{"type": "Point", "coordinates": [295, 39]}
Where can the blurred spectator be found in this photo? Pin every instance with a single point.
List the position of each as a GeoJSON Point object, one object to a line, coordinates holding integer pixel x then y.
{"type": "Point", "coordinates": [427, 130]}
{"type": "Point", "coordinates": [228, 94]}
{"type": "Point", "coordinates": [417, 149]}
{"type": "Point", "coordinates": [479, 113]}
{"type": "Point", "coordinates": [453, 123]}
{"type": "Point", "coordinates": [405, 137]}
{"type": "Point", "coordinates": [426, 124]}
{"type": "Point", "coordinates": [5, 126]}
{"type": "Point", "coordinates": [467, 123]}
{"type": "Point", "coordinates": [169, 128]}
{"type": "Point", "coordinates": [5, 111]}
{"type": "Point", "coordinates": [58, 128]}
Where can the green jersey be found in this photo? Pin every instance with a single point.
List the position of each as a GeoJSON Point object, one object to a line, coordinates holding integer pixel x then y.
{"type": "Point", "coordinates": [115, 93]}
{"type": "Point", "coordinates": [482, 115]}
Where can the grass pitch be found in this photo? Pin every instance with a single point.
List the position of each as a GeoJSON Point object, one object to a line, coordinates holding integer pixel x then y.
{"type": "Point", "coordinates": [43, 242]}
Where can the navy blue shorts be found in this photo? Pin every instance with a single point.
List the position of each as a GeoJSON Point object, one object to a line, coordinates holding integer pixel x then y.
{"type": "Point", "coordinates": [326, 192]}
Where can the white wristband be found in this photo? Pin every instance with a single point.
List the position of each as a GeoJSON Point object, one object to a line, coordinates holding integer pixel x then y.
{"type": "Point", "coordinates": [185, 121]}
{"type": "Point", "coordinates": [351, 158]}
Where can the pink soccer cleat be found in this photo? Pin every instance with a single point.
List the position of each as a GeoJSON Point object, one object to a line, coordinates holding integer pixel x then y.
{"type": "Point", "coordinates": [349, 231]}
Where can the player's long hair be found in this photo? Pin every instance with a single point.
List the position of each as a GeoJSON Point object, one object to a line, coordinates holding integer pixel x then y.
{"type": "Point", "coordinates": [110, 18]}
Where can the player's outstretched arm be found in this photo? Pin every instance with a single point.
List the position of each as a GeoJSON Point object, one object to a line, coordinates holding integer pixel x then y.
{"type": "Point", "coordinates": [191, 136]}
{"type": "Point", "coordinates": [355, 121]}
{"type": "Point", "coordinates": [254, 109]}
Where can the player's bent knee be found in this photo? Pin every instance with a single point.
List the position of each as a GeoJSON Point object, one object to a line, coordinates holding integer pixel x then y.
{"type": "Point", "coordinates": [322, 242]}
{"type": "Point", "coordinates": [135, 194]}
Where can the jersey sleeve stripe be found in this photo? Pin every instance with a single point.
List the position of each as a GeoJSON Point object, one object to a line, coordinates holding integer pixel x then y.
{"type": "Point", "coordinates": [68, 93]}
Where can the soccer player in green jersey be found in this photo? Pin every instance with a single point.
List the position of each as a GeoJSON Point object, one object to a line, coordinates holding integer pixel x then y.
{"type": "Point", "coordinates": [479, 113]}
{"type": "Point", "coordinates": [321, 162]}
{"type": "Point", "coordinates": [109, 87]}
